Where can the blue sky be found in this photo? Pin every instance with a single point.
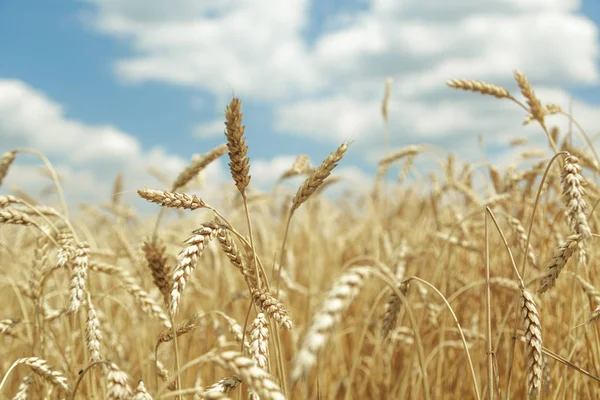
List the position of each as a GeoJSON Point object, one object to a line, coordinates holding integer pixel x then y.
{"type": "Point", "coordinates": [128, 65]}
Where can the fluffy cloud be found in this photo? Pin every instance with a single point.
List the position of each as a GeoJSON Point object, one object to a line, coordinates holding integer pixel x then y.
{"type": "Point", "coordinates": [330, 88]}
{"type": "Point", "coordinates": [253, 47]}
{"type": "Point", "coordinates": [86, 157]}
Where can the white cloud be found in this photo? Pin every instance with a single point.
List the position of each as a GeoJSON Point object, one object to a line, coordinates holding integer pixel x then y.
{"type": "Point", "coordinates": [88, 157]}
{"type": "Point", "coordinates": [331, 119]}
{"type": "Point", "coordinates": [253, 47]}
{"type": "Point", "coordinates": [330, 89]}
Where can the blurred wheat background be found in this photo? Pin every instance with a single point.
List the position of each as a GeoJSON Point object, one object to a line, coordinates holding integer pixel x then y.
{"type": "Point", "coordinates": [355, 200]}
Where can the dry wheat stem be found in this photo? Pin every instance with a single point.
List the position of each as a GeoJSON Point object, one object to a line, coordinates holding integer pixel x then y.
{"type": "Point", "coordinates": [117, 190]}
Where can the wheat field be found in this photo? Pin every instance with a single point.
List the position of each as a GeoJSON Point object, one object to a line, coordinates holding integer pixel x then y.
{"type": "Point", "coordinates": [475, 282]}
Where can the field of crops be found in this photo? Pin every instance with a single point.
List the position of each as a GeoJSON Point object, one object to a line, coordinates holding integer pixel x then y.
{"type": "Point", "coordinates": [475, 282]}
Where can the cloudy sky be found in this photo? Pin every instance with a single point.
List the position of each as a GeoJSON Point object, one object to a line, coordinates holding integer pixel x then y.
{"type": "Point", "coordinates": [103, 86]}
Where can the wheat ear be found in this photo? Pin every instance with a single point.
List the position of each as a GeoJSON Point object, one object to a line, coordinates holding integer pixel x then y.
{"type": "Point", "coordinates": [255, 377]}
{"type": "Point", "coordinates": [141, 393]}
{"type": "Point", "coordinates": [187, 260]}
{"type": "Point", "coordinates": [533, 339]}
{"type": "Point", "coordinates": [156, 261]}
{"type": "Point", "coordinates": [572, 186]}
{"type": "Point", "coordinates": [118, 386]}
{"type": "Point", "coordinates": [318, 176]}
{"type": "Point", "coordinates": [5, 162]}
{"type": "Point", "coordinates": [236, 144]}
{"type": "Point", "coordinates": [197, 166]}
{"type": "Point", "coordinates": [336, 302]}
{"type": "Point", "coordinates": [79, 277]}
{"type": "Point", "coordinates": [559, 259]}
{"type": "Point", "coordinates": [479, 86]}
